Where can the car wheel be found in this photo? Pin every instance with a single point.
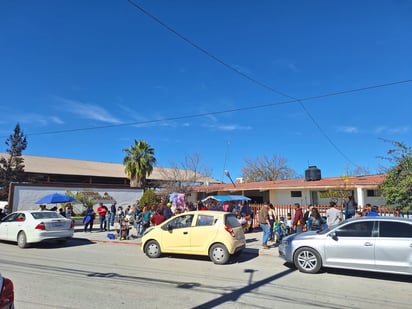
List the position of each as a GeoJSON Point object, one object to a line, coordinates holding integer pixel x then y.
{"type": "Point", "coordinates": [152, 249]}
{"type": "Point", "coordinates": [22, 240]}
{"type": "Point", "coordinates": [219, 254]}
{"type": "Point", "coordinates": [307, 260]}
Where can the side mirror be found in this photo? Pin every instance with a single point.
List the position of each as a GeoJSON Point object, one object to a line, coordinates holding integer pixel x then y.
{"type": "Point", "coordinates": [170, 227]}
{"type": "Point", "coordinates": [333, 235]}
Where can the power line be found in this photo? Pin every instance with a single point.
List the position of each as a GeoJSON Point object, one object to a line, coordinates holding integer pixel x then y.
{"type": "Point", "coordinates": [239, 109]}
{"type": "Point", "coordinates": [246, 76]}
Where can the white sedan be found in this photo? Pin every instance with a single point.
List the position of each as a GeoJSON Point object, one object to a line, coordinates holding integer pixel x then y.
{"type": "Point", "coordinates": [33, 226]}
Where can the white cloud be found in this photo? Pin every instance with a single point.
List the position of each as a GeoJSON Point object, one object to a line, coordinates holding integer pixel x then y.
{"type": "Point", "coordinates": [348, 129]}
{"type": "Point", "coordinates": [393, 130]}
{"type": "Point", "coordinates": [229, 127]}
{"type": "Point", "coordinates": [88, 111]}
{"type": "Point", "coordinates": [56, 120]}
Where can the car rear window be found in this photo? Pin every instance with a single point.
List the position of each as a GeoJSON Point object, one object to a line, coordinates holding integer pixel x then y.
{"type": "Point", "coordinates": [45, 215]}
{"type": "Point", "coordinates": [230, 219]}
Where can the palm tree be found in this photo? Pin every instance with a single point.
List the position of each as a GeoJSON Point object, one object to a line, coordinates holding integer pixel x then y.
{"type": "Point", "coordinates": [139, 163]}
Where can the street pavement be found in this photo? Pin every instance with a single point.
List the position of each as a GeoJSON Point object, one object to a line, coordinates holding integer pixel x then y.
{"type": "Point", "coordinates": [253, 239]}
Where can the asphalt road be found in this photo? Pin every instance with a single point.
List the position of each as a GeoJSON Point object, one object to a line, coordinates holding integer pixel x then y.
{"type": "Point", "coordinates": [88, 274]}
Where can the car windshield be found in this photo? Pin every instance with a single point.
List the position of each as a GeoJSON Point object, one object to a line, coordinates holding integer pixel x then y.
{"type": "Point", "coordinates": [46, 215]}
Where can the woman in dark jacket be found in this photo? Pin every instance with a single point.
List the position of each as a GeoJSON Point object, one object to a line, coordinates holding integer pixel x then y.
{"type": "Point", "coordinates": [316, 221]}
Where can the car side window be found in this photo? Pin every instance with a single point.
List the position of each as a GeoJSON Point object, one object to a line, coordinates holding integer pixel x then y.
{"type": "Point", "coordinates": [10, 218]}
{"type": "Point", "coordinates": [181, 221]}
{"type": "Point", "coordinates": [356, 229]}
{"type": "Point", "coordinates": [203, 220]}
{"type": "Point", "coordinates": [395, 229]}
{"type": "Point", "coordinates": [20, 217]}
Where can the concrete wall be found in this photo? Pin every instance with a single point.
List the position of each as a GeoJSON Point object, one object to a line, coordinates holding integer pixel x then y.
{"type": "Point", "coordinates": [25, 197]}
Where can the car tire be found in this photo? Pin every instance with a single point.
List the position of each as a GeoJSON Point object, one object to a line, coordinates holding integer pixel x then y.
{"type": "Point", "coordinates": [219, 254]}
{"type": "Point", "coordinates": [22, 240]}
{"type": "Point", "coordinates": [152, 249]}
{"type": "Point", "coordinates": [307, 260]}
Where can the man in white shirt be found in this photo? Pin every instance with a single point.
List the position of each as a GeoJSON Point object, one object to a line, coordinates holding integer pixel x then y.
{"type": "Point", "coordinates": [333, 215]}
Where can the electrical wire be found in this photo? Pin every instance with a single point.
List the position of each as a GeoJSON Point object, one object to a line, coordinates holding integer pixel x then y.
{"type": "Point", "coordinates": [239, 109]}
{"type": "Point", "coordinates": [246, 76]}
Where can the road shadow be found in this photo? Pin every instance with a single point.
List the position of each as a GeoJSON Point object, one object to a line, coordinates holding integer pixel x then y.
{"type": "Point", "coordinates": [358, 273]}
{"type": "Point", "coordinates": [368, 274]}
{"type": "Point", "coordinates": [246, 255]}
{"type": "Point", "coordinates": [55, 244]}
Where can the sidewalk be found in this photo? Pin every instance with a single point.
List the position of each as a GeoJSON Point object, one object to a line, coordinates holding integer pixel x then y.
{"type": "Point", "coordinates": [253, 240]}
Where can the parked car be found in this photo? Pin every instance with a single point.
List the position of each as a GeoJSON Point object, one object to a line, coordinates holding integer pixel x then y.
{"type": "Point", "coordinates": [382, 244]}
{"type": "Point", "coordinates": [6, 293]}
{"type": "Point", "coordinates": [33, 226]}
{"type": "Point", "coordinates": [216, 234]}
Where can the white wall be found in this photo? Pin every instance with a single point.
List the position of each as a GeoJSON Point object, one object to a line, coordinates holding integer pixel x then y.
{"type": "Point", "coordinates": [25, 197]}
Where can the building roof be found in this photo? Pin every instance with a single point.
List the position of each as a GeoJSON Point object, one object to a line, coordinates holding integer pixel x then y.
{"type": "Point", "coordinates": [346, 182]}
{"type": "Point", "coordinates": [59, 166]}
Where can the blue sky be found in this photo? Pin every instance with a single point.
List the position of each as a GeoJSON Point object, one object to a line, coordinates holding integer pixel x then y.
{"type": "Point", "coordinates": [67, 67]}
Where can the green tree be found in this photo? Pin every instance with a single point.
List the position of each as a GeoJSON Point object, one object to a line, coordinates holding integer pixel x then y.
{"type": "Point", "coordinates": [12, 166]}
{"type": "Point", "coordinates": [149, 198]}
{"type": "Point", "coordinates": [397, 186]}
{"type": "Point", "coordinates": [139, 163]}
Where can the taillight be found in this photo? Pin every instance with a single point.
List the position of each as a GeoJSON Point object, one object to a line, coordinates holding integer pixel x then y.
{"type": "Point", "coordinates": [7, 292]}
{"type": "Point", "coordinates": [230, 230]}
{"type": "Point", "coordinates": [72, 224]}
{"type": "Point", "coordinates": [41, 226]}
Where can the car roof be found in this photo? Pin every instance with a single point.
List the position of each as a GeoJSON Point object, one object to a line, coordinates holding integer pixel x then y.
{"type": "Point", "coordinates": [203, 212]}
{"type": "Point", "coordinates": [380, 218]}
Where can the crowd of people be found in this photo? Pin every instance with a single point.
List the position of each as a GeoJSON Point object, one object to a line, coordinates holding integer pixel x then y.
{"type": "Point", "coordinates": [134, 217]}
{"type": "Point", "coordinates": [276, 227]}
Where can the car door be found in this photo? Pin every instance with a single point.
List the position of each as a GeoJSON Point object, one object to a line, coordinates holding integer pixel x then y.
{"type": "Point", "coordinates": [351, 246]}
{"type": "Point", "coordinates": [393, 249]}
{"type": "Point", "coordinates": [176, 234]}
{"type": "Point", "coordinates": [203, 233]}
{"type": "Point", "coordinates": [8, 225]}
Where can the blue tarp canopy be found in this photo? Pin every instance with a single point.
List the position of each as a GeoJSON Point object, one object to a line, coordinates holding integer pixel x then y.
{"type": "Point", "coordinates": [225, 198]}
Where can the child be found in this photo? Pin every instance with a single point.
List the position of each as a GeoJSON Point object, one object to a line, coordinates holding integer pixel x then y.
{"type": "Point", "coordinates": [289, 224]}
{"type": "Point", "coordinates": [280, 229]}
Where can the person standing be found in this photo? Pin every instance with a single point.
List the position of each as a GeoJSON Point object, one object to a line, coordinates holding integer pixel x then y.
{"type": "Point", "coordinates": [272, 219]}
{"type": "Point", "coordinates": [2, 214]}
{"type": "Point", "coordinates": [89, 219]}
{"type": "Point", "coordinates": [374, 212]}
{"type": "Point", "coordinates": [316, 221]}
{"type": "Point", "coordinates": [102, 211]}
{"type": "Point", "coordinates": [112, 213]}
{"type": "Point", "coordinates": [298, 222]}
{"type": "Point", "coordinates": [333, 215]}
{"type": "Point", "coordinates": [265, 224]}
{"type": "Point", "coordinates": [167, 211]}
{"type": "Point", "coordinates": [307, 217]}
{"type": "Point", "coordinates": [350, 207]}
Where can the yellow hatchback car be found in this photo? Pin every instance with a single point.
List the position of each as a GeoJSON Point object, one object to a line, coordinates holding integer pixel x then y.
{"type": "Point", "coordinates": [216, 234]}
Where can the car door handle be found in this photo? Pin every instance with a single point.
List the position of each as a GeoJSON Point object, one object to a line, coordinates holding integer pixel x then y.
{"type": "Point", "coordinates": [184, 233]}
{"type": "Point", "coordinates": [368, 244]}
